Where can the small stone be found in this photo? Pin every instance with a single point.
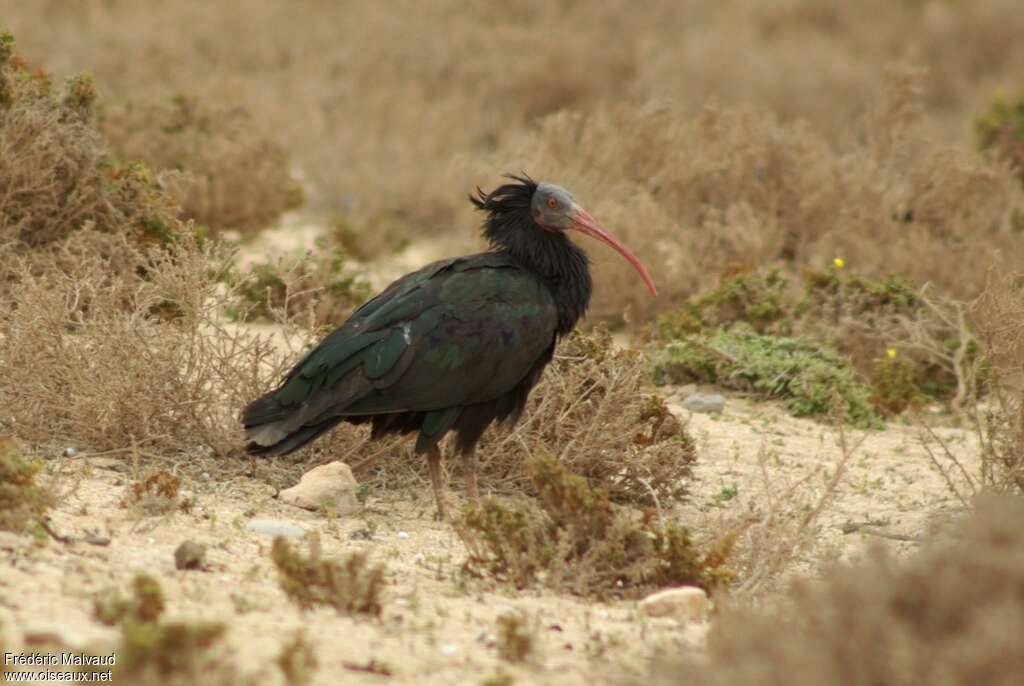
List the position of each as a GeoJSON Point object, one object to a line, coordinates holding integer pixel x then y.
{"type": "Point", "coordinates": [403, 535]}
{"type": "Point", "coordinates": [419, 558]}
{"type": "Point", "coordinates": [190, 555]}
{"type": "Point", "coordinates": [686, 391]}
{"type": "Point", "coordinates": [687, 603]}
{"type": "Point", "coordinates": [705, 403]}
{"type": "Point", "coordinates": [275, 527]}
{"type": "Point", "coordinates": [69, 452]}
{"type": "Point", "coordinates": [330, 486]}
{"type": "Point", "coordinates": [449, 649]}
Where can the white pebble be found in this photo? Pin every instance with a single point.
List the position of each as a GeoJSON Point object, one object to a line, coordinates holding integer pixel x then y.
{"type": "Point", "coordinates": [70, 452]}
{"type": "Point", "coordinates": [419, 558]}
{"type": "Point", "coordinates": [687, 603]}
{"type": "Point", "coordinates": [449, 649]}
{"type": "Point", "coordinates": [403, 535]}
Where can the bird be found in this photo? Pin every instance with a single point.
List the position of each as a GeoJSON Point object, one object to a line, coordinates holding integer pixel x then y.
{"type": "Point", "coordinates": [454, 346]}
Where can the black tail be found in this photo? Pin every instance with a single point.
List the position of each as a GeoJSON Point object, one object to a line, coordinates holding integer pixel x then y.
{"type": "Point", "coordinates": [270, 428]}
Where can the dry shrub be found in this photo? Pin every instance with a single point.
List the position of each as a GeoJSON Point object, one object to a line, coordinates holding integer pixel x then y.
{"type": "Point", "coordinates": [998, 317]}
{"type": "Point", "coordinates": [515, 637]}
{"type": "Point", "coordinates": [223, 173]}
{"type": "Point", "coordinates": [572, 538]}
{"type": "Point", "coordinates": [590, 411]}
{"type": "Point", "coordinates": [118, 363]}
{"type": "Point", "coordinates": [297, 660]}
{"type": "Point", "coordinates": [351, 586]}
{"type": "Point", "coordinates": [952, 614]}
{"type": "Point", "coordinates": [698, 196]}
{"type": "Point", "coordinates": [397, 124]}
{"type": "Point", "coordinates": [319, 291]}
{"type": "Point", "coordinates": [145, 603]}
{"type": "Point", "coordinates": [155, 492]}
{"type": "Point", "coordinates": [996, 375]}
{"type": "Point", "coordinates": [22, 500]}
{"type": "Point", "coordinates": [776, 527]}
{"type": "Point", "coordinates": [55, 176]}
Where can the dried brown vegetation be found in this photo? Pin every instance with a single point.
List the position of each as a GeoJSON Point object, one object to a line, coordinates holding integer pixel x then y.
{"type": "Point", "coordinates": [55, 176]}
{"type": "Point", "coordinates": [112, 362]}
{"type": "Point", "coordinates": [515, 637]}
{"type": "Point", "coordinates": [223, 174]}
{"type": "Point", "coordinates": [702, 195]}
{"type": "Point", "coordinates": [996, 320]}
{"type": "Point", "coordinates": [154, 492]}
{"type": "Point", "coordinates": [391, 128]}
{"type": "Point", "coordinates": [351, 586]}
{"type": "Point", "coordinates": [297, 661]}
{"type": "Point", "coordinates": [952, 614]}
{"type": "Point", "coordinates": [573, 538]}
{"type": "Point", "coordinates": [591, 411]}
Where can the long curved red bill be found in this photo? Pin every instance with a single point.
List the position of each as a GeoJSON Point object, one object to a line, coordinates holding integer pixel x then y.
{"type": "Point", "coordinates": [585, 223]}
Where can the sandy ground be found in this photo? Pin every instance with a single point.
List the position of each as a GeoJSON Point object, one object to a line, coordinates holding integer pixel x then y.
{"type": "Point", "coordinates": [755, 462]}
{"type": "Point", "coordinates": [437, 627]}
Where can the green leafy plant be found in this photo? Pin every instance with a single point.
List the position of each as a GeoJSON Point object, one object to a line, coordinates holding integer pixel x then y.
{"type": "Point", "coordinates": [23, 501]}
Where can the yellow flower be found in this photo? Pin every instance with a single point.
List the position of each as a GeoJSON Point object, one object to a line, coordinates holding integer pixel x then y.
{"type": "Point", "coordinates": [839, 262]}
{"type": "Point", "coordinates": [891, 352]}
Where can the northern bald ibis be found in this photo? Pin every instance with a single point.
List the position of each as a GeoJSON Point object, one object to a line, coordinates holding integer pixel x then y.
{"type": "Point", "coordinates": [453, 346]}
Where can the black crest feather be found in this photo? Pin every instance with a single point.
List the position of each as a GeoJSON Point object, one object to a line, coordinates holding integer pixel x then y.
{"type": "Point", "coordinates": [509, 227]}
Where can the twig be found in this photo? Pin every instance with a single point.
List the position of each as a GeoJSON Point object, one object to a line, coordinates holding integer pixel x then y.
{"type": "Point", "coordinates": [60, 538]}
{"type": "Point", "coordinates": [851, 528]}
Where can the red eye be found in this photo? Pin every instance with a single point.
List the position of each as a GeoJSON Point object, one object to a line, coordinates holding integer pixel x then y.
{"type": "Point", "coordinates": [552, 203]}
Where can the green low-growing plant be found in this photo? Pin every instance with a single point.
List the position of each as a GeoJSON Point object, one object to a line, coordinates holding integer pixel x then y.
{"type": "Point", "coordinates": [320, 290]}
{"type": "Point", "coordinates": [894, 386]}
{"type": "Point", "coordinates": [861, 319]}
{"type": "Point", "coordinates": [761, 299]}
{"type": "Point", "coordinates": [1001, 130]}
{"type": "Point", "coordinates": [23, 501]}
{"type": "Point", "coordinates": [153, 651]}
{"type": "Point", "coordinates": [807, 375]}
{"type": "Point", "coordinates": [572, 537]}
{"type": "Point", "coordinates": [351, 585]}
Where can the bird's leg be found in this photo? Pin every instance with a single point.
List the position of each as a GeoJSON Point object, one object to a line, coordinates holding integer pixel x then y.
{"type": "Point", "coordinates": [471, 485]}
{"type": "Point", "coordinates": [436, 479]}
